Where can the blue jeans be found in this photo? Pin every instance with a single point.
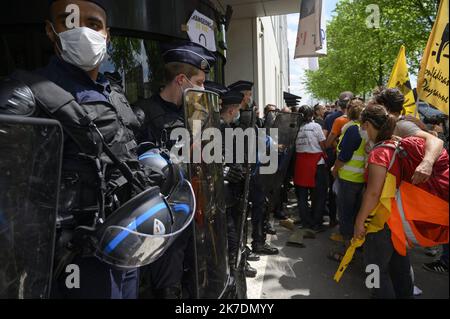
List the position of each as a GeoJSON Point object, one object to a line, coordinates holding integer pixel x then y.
{"type": "Point", "coordinates": [395, 270]}
{"type": "Point", "coordinates": [314, 217]}
{"type": "Point", "coordinates": [348, 201]}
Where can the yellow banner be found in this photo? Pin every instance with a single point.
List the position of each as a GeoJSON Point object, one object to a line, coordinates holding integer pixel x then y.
{"type": "Point", "coordinates": [433, 79]}
{"type": "Point", "coordinates": [400, 79]}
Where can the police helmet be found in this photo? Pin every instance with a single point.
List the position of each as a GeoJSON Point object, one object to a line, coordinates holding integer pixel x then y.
{"type": "Point", "coordinates": [141, 230]}
{"type": "Point", "coordinates": [157, 161]}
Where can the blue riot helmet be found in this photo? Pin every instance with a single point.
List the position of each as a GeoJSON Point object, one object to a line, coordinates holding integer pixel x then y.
{"type": "Point", "coordinates": [141, 230]}
{"type": "Point", "coordinates": [156, 161]}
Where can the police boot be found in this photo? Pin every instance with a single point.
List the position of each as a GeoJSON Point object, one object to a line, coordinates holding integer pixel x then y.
{"type": "Point", "coordinates": [250, 271]}
{"type": "Point", "coordinates": [173, 292]}
{"type": "Point", "coordinates": [250, 255]}
{"type": "Point", "coordinates": [259, 244]}
{"type": "Point", "coordinates": [264, 249]}
{"type": "Point", "coordinates": [270, 230]}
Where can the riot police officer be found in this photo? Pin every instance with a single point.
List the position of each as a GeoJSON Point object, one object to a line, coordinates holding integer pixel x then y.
{"type": "Point", "coordinates": [234, 175]}
{"type": "Point", "coordinates": [100, 170]}
{"type": "Point", "coordinates": [186, 66]}
{"type": "Point", "coordinates": [257, 195]}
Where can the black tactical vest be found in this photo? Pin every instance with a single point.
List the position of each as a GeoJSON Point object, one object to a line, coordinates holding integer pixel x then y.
{"type": "Point", "coordinates": [87, 170]}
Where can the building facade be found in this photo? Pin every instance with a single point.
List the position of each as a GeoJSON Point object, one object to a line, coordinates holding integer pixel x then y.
{"type": "Point", "coordinates": [258, 50]}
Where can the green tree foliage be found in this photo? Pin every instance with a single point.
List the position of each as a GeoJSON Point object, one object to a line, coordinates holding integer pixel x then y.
{"type": "Point", "coordinates": [361, 58]}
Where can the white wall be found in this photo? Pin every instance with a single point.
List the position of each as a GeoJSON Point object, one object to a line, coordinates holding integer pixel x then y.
{"type": "Point", "coordinates": [258, 52]}
{"type": "Point", "coordinates": [241, 52]}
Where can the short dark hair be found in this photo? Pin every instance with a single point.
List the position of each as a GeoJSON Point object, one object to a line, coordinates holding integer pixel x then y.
{"type": "Point", "coordinates": [391, 98]}
{"type": "Point", "coordinates": [172, 69]}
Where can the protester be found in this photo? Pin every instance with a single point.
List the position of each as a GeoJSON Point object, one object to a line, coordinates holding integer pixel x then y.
{"type": "Point", "coordinates": [311, 176]}
{"type": "Point", "coordinates": [381, 248]}
{"type": "Point", "coordinates": [349, 172]}
{"type": "Point", "coordinates": [319, 113]}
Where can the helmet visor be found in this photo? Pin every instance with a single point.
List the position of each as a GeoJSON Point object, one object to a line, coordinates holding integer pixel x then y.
{"type": "Point", "coordinates": [182, 203]}
{"type": "Point", "coordinates": [144, 235]}
{"type": "Point", "coordinates": [125, 248]}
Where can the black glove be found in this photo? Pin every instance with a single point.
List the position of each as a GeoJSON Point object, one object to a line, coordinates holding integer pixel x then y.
{"type": "Point", "coordinates": [233, 174]}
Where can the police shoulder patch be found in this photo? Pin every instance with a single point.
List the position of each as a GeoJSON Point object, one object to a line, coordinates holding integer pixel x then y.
{"type": "Point", "coordinates": [158, 228]}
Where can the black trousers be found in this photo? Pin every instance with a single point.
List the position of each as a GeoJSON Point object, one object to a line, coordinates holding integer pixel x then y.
{"type": "Point", "coordinates": [168, 270]}
{"type": "Point", "coordinates": [258, 212]}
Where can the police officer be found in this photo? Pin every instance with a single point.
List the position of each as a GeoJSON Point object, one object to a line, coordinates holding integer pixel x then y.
{"type": "Point", "coordinates": [233, 174]}
{"type": "Point", "coordinates": [93, 183]}
{"type": "Point", "coordinates": [257, 195]}
{"type": "Point", "coordinates": [186, 66]}
{"type": "Point", "coordinates": [230, 102]}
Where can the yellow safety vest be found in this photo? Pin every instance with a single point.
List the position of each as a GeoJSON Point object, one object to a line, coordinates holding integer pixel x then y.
{"type": "Point", "coordinates": [353, 170]}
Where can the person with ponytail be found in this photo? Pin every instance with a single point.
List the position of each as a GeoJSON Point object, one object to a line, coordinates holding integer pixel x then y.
{"type": "Point", "coordinates": [395, 162]}
{"type": "Point", "coordinates": [311, 174]}
{"type": "Point", "coordinates": [393, 100]}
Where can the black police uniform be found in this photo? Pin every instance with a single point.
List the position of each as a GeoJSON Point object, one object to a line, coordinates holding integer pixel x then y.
{"type": "Point", "coordinates": [257, 195]}
{"type": "Point", "coordinates": [81, 182]}
{"type": "Point", "coordinates": [233, 178]}
{"type": "Point", "coordinates": [161, 117]}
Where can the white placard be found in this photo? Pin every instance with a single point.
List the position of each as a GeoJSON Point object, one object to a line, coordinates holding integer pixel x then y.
{"type": "Point", "coordinates": [201, 31]}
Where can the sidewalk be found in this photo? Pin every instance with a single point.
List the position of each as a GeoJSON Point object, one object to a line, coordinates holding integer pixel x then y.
{"type": "Point", "coordinates": [307, 273]}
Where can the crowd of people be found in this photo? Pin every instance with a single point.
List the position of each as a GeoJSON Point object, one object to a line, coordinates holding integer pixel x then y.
{"type": "Point", "coordinates": [122, 218]}
{"type": "Point", "coordinates": [344, 153]}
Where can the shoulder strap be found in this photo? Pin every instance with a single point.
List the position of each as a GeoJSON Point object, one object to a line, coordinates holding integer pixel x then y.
{"type": "Point", "coordinates": [397, 148]}
{"type": "Point", "coordinates": [61, 105]}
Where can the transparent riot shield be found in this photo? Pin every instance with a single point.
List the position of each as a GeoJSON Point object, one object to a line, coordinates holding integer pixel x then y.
{"type": "Point", "coordinates": [287, 125]}
{"type": "Point", "coordinates": [202, 119]}
{"type": "Point", "coordinates": [30, 165]}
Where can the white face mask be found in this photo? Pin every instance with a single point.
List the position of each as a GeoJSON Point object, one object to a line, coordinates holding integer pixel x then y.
{"type": "Point", "coordinates": [250, 102]}
{"type": "Point", "coordinates": [82, 47]}
{"type": "Point", "coordinates": [195, 87]}
{"type": "Point", "coordinates": [363, 134]}
{"type": "Point", "coordinates": [237, 117]}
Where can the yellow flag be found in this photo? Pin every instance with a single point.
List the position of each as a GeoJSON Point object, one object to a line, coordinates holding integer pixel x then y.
{"type": "Point", "coordinates": [433, 79]}
{"type": "Point", "coordinates": [400, 79]}
{"type": "Point", "coordinates": [374, 223]}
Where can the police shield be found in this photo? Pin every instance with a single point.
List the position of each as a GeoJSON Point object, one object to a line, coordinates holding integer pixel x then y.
{"type": "Point", "coordinates": [205, 171]}
{"type": "Point", "coordinates": [30, 163]}
{"type": "Point", "coordinates": [285, 126]}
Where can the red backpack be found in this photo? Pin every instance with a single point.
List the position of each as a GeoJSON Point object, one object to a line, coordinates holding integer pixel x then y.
{"type": "Point", "coordinates": [410, 152]}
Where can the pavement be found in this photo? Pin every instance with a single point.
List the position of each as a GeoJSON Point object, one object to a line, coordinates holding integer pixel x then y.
{"type": "Point", "coordinates": [307, 273]}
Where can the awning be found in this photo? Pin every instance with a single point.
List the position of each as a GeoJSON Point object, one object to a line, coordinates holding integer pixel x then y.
{"type": "Point", "coordinates": [259, 8]}
{"type": "Point", "coordinates": [291, 99]}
